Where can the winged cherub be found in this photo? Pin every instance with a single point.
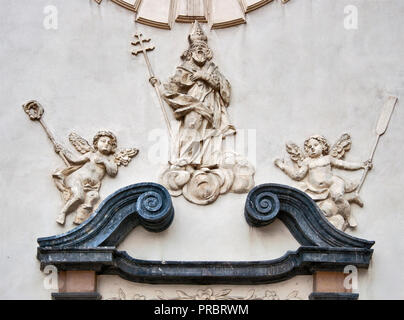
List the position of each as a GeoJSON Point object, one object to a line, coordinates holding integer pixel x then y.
{"type": "Point", "coordinates": [314, 165]}
{"type": "Point", "coordinates": [81, 181]}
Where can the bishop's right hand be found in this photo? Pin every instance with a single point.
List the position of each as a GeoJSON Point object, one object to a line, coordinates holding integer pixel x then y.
{"type": "Point", "coordinates": [58, 148]}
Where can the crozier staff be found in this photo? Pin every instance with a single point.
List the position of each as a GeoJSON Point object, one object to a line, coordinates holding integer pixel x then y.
{"type": "Point", "coordinates": [35, 112]}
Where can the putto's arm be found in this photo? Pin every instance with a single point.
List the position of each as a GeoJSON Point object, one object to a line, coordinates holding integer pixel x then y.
{"type": "Point", "coordinates": [74, 159]}
{"type": "Point", "coordinates": [342, 164]}
{"type": "Point", "coordinates": [298, 174]}
{"type": "Point", "coordinates": [291, 171]}
{"type": "Point", "coordinates": [111, 167]}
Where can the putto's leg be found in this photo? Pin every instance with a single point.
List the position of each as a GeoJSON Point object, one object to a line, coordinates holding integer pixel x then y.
{"type": "Point", "coordinates": [76, 199]}
{"type": "Point", "coordinates": [61, 218]}
{"type": "Point", "coordinates": [331, 210]}
{"type": "Point", "coordinates": [354, 198]}
{"type": "Point", "coordinates": [58, 179]}
{"type": "Point", "coordinates": [337, 192]}
{"type": "Point", "coordinates": [85, 209]}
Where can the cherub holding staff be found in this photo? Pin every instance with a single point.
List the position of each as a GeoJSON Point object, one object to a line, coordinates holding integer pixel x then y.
{"type": "Point", "coordinates": [315, 164]}
{"type": "Point", "coordinates": [80, 181]}
{"type": "Point", "coordinates": [314, 168]}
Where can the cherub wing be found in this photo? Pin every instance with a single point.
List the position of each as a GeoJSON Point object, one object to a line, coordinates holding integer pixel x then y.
{"type": "Point", "coordinates": [79, 143]}
{"type": "Point", "coordinates": [124, 156]}
{"type": "Point", "coordinates": [342, 146]}
{"type": "Point", "coordinates": [295, 153]}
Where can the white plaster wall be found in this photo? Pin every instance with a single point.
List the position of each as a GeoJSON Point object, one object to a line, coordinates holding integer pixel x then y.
{"type": "Point", "coordinates": [294, 70]}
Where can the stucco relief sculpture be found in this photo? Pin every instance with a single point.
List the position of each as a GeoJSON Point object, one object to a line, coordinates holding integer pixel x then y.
{"type": "Point", "coordinates": [80, 181]}
{"type": "Point", "coordinates": [209, 294]}
{"type": "Point", "coordinates": [199, 96]}
{"type": "Point", "coordinates": [314, 167]}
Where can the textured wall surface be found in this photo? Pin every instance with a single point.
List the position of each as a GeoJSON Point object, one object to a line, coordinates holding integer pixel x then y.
{"type": "Point", "coordinates": [294, 70]}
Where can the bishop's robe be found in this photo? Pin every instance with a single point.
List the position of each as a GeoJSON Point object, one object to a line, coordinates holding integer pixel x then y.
{"type": "Point", "coordinates": [201, 107]}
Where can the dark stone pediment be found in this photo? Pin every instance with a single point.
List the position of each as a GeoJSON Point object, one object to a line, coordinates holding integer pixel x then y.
{"type": "Point", "coordinates": [93, 245]}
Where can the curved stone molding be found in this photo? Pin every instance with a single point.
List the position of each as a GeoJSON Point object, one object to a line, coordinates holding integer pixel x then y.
{"type": "Point", "coordinates": [218, 13]}
{"type": "Point", "coordinates": [146, 204]}
{"type": "Point", "coordinates": [304, 261]}
{"type": "Point", "coordinates": [299, 213]}
{"type": "Point", "coordinates": [93, 245]}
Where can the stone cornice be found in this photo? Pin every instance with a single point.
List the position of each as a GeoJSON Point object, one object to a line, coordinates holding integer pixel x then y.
{"type": "Point", "coordinates": [93, 245]}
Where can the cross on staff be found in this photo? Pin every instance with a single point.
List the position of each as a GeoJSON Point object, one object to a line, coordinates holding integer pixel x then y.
{"type": "Point", "coordinates": [140, 41]}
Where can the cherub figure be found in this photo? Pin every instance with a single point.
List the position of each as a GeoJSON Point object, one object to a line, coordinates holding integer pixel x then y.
{"type": "Point", "coordinates": [81, 181]}
{"type": "Point", "coordinates": [315, 164]}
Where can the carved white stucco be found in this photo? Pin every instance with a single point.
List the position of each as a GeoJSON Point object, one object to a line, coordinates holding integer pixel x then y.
{"type": "Point", "coordinates": [295, 71]}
